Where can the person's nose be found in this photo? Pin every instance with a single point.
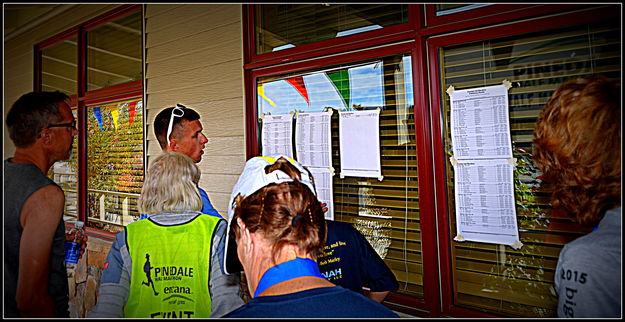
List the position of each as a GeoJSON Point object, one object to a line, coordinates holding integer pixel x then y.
{"type": "Point", "coordinates": [204, 138]}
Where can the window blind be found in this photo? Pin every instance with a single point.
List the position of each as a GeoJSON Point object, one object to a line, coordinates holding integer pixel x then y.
{"type": "Point", "coordinates": [386, 212]}
{"type": "Point", "coordinates": [495, 278]}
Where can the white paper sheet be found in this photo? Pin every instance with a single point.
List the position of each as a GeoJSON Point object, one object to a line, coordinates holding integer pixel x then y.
{"type": "Point", "coordinates": [480, 127]}
{"type": "Point", "coordinates": [485, 206]}
{"type": "Point", "coordinates": [323, 184]}
{"type": "Point", "coordinates": [277, 134]}
{"type": "Point", "coordinates": [359, 142]}
{"type": "Point", "coordinates": [313, 141]}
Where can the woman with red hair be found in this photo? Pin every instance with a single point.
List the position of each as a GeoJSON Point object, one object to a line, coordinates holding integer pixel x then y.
{"type": "Point", "coordinates": [577, 146]}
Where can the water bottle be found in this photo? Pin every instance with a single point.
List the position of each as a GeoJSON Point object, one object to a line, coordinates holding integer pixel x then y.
{"type": "Point", "coordinates": [73, 247]}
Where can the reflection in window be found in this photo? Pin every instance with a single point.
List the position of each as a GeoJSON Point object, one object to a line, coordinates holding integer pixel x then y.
{"type": "Point", "coordinates": [279, 25]}
{"type": "Point", "coordinates": [58, 67]}
{"type": "Point", "coordinates": [115, 167]}
{"type": "Point", "coordinates": [386, 212]}
{"type": "Point", "coordinates": [497, 278]}
{"type": "Point", "coordinates": [65, 174]}
{"type": "Point", "coordinates": [114, 52]}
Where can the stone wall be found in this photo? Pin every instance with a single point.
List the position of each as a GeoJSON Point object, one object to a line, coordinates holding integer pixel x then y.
{"type": "Point", "coordinates": [84, 278]}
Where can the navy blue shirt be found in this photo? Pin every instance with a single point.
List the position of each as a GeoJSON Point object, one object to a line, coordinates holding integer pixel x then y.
{"type": "Point", "coordinates": [323, 302]}
{"type": "Point", "coordinates": [207, 207]}
{"type": "Point", "coordinates": [351, 262]}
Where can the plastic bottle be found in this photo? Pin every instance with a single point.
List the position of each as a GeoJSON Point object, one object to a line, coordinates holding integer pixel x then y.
{"type": "Point", "coordinates": [73, 247]}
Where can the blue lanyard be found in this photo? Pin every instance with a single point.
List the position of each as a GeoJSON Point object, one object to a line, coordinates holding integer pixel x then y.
{"type": "Point", "coordinates": [294, 268]}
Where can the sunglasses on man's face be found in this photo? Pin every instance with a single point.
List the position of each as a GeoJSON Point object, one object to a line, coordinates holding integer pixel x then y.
{"type": "Point", "coordinates": [178, 112]}
{"type": "Point", "coordinates": [71, 124]}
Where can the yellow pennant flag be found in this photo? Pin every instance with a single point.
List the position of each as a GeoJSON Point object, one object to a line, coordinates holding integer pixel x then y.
{"type": "Point", "coordinates": [115, 115]}
{"type": "Point", "coordinates": [261, 92]}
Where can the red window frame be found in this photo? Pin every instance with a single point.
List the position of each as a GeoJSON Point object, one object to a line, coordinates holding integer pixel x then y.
{"type": "Point", "coordinates": [428, 306]}
{"type": "Point", "coordinates": [488, 15]}
{"type": "Point", "coordinates": [551, 22]}
{"type": "Point", "coordinates": [83, 98]}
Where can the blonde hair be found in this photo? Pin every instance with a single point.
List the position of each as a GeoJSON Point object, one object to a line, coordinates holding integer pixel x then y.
{"type": "Point", "coordinates": [171, 186]}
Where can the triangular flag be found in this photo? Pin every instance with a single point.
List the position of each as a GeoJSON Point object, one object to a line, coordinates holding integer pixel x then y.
{"type": "Point", "coordinates": [115, 115]}
{"type": "Point", "coordinates": [98, 116]}
{"type": "Point", "coordinates": [298, 83]}
{"type": "Point", "coordinates": [340, 79]}
{"type": "Point", "coordinates": [261, 92]}
{"type": "Point", "coordinates": [131, 112]}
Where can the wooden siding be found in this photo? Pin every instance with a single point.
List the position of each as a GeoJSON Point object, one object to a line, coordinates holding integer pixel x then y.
{"type": "Point", "coordinates": [194, 56]}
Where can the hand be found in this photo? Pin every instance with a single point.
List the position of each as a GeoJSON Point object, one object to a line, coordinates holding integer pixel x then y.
{"type": "Point", "coordinates": [83, 246]}
{"type": "Point", "coordinates": [83, 242]}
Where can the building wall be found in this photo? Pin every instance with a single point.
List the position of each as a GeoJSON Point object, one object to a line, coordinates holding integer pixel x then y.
{"type": "Point", "coordinates": [195, 57]}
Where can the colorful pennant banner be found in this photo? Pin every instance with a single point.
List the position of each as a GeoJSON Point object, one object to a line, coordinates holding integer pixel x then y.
{"type": "Point", "coordinates": [261, 92]}
{"type": "Point", "coordinates": [298, 83]}
{"type": "Point", "coordinates": [340, 80]}
{"type": "Point", "coordinates": [98, 116]}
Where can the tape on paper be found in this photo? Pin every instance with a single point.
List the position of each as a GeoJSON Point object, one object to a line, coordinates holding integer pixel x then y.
{"type": "Point", "coordinates": [450, 90]}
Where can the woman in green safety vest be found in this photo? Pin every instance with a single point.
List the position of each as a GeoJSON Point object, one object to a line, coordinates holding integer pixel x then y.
{"type": "Point", "coordinates": [168, 265]}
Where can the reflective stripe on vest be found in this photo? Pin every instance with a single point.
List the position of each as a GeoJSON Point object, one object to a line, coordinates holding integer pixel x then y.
{"type": "Point", "coordinates": [170, 268]}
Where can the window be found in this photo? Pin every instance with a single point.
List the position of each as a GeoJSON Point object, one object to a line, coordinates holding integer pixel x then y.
{"type": "Point", "coordinates": [386, 212]}
{"type": "Point", "coordinates": [498, 279]}
{"type": "Point", "coordinates": [115, 167]}
{"type": "Point", "coordinates": [114, 52]}
{"type": "Point", "coordinates": [283, 26]}
{"type": "Point", "coordinates": [58, 67]}
{"type": "Point", "coordinates": [103, 77]}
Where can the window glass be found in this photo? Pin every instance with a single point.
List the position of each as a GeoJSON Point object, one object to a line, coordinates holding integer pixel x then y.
{"type": "Point", "coordinates": [443, 9]}
{"type": "Point", "coordinates": [115, 167]}
{"type": "Point", "coordinates": [65, 174]}
{"type": "Point", "coordinates": [386, 212]}
{"type": "Point", "coordinates": [58, 67]}
{"type": "Point", "coordinates": [114, 52]}
{"type": "Point", "coordinates": [282, 26]}
{"type": "Point", "coordinates": [499, 279]}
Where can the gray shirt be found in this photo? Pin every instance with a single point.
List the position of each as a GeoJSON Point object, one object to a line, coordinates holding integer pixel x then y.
{"type": "Point", "coordinates": [115, 281]}
{"type": "Point", "coordinates": [588, 274]}
{"type": "Point", "coordinates": [21, 180]}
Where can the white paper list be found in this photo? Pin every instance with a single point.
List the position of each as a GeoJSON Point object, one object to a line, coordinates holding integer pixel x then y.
{"type": "Point", "coordinates": [485, 206]}
{"type": "Point", "coordinates": [480, 127]}
{"type": "Point", "coordinates": [277, 134]}
{"type": "Point", "coordinates": [313, 144]}
{"type": "Point", "coordinates": [359, 143]}
{"type": "Point", "coordinates": [323, 184]}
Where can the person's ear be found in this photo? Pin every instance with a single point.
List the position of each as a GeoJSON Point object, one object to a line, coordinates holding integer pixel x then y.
{"type": "Point", "coordinates": [172, 145]}
{"type": "Point", "coordinates": [44, 135]}
{"type": "Point", "coordinates": [246, 239]}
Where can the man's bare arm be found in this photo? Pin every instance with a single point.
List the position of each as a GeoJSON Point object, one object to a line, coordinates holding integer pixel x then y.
{"type": "Point", "coordinates": [39, 218]}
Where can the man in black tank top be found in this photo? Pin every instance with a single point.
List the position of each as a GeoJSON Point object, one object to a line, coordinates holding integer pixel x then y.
{"type": "Point", "coordinates": [42, 127]}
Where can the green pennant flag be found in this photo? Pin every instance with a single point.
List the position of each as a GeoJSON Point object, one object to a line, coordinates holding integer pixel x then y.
{"type": "Point", "coordinates": [340, 79]}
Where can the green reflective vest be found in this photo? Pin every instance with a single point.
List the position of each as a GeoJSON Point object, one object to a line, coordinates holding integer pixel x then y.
{"type": "Point", "coordinates": [170, 268]}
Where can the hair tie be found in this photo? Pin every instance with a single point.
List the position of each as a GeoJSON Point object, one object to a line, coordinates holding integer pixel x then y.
{"type": "Point", "coordinates": [295, 219]}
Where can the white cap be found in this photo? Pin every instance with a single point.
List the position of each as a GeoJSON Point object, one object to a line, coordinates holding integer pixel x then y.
{"type": "Point", "coordinates": [79, 223]}
{"type": "Point", "coordinates": [251, 180]}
